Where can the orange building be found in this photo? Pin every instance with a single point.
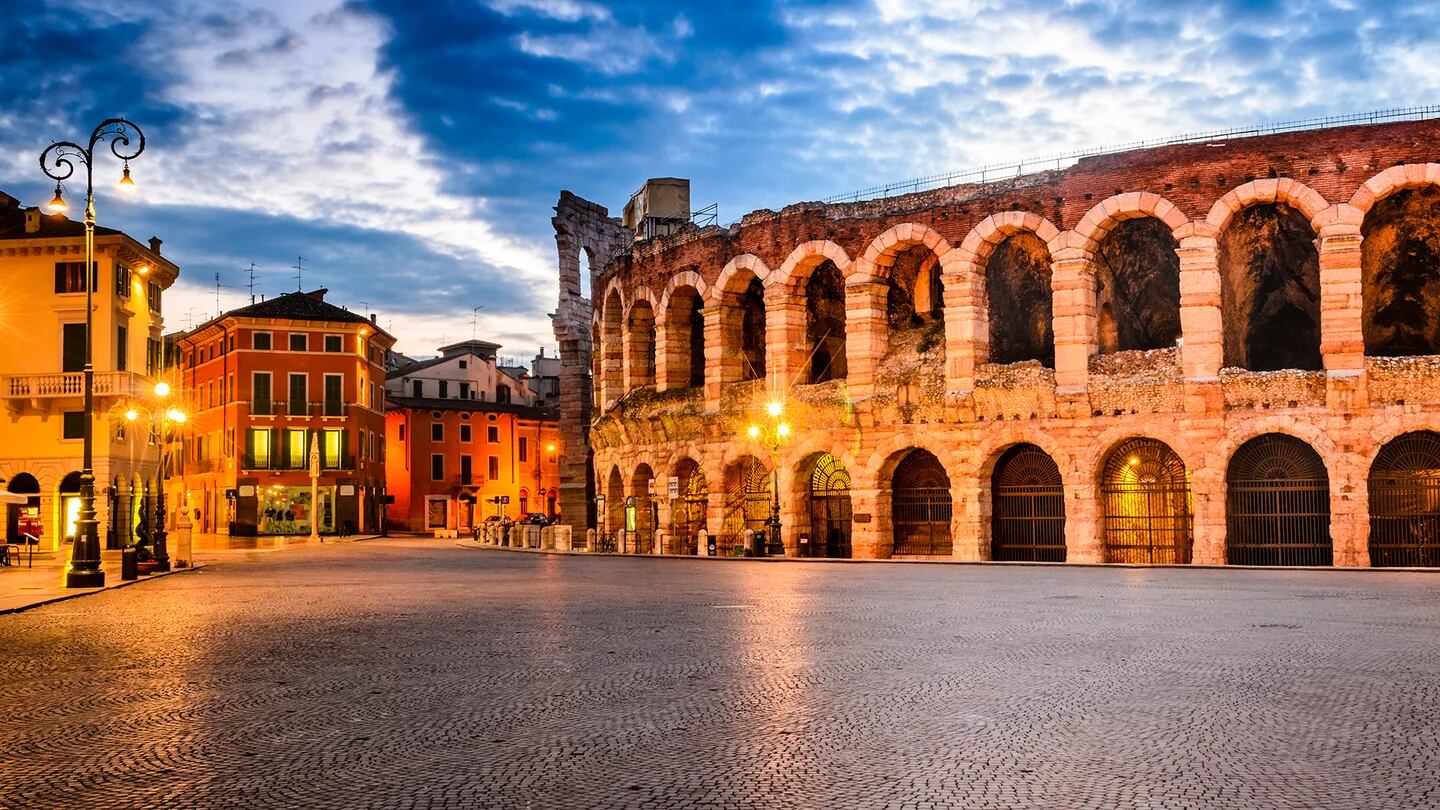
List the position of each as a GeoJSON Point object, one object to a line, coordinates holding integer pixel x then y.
{"type": "Point", "coordinates": [260, 384]}
{"type": "Point", "coordinates": [452, 458]}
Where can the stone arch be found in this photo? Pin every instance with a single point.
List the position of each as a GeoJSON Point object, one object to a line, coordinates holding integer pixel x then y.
{"type": "Point", "coordinates": [640, 340]}
{"type": "Point", "coordinates": [820, 485]}
{"type": "Point", "coordinates": [1400, 264]}
{"type": "Point", "coordinates": [921, 504]}
{"type": "Point", "coordinates": [746, 500]}
{"type": "Point", "coordinates": [1393, 179]}
{"type": "Point", "coordinates": [1284, 190]}
{"type": "Point", "coordinates": [1112, 211]}
{"type": "Point", "coordinates": [1146, 503]}
{"type": "Point", "coordinates": [1027, 505]}
{"type": "Point", "coordinates": [644, 505]}
{"type": "Point", "coordinates": [611, 346]}
{"type": "Point", "coordinates": [807, 294]}
{"type": "Point", "coordinates": [1277, 496]}
{"type": "Point", "coordinates": [1270, 285]}
{"type": "Point", "coordinates": [805, 258]}
{"type": "Point", "coordinates": [1403, 491]}
{"type": "Point", "coordinates": [1132, 242]}
{"type": "Point", "coordinates": [688, 512]}
{"type": "Point", "coordinates": [969, 274]}
{"type": "Point", "coordinates": [681, 337]}
{"type": "Point", "coordinates": [613, 519]}
{"type": "Point", "coordinates": [738, 302]}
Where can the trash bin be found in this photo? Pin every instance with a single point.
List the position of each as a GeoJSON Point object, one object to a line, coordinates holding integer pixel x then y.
{"type": "Point", "coordinates": [757, 544]}
{"type": "Point", "coordinates": [129, 559]}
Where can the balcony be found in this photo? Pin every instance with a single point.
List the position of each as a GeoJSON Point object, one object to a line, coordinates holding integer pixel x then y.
{"type": "Point", "coordinates": [37, 387]}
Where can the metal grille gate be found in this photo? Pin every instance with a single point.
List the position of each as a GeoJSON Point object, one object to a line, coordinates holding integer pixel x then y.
{"type": "Point", "coordinates": [1146, 493]}
{"type": "Point", "coordinates": [747, 504]}
{"type": "Point", "coordinates": [921, 506]}
{"type": "Point", "coordinates": [1027, 519]}
{"type": "Point", "coordinates": [829, 509]}
{"type": "Point", "coordinates": [1277, 509]}
{"type": "Point", "coordinates": [1405, 502]}
{"type": "Point", "coordinates": [687, 515]}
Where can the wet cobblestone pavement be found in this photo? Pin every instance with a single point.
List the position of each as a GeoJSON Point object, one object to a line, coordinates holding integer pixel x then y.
{"type": "Point", "coordinates": [411, 673]}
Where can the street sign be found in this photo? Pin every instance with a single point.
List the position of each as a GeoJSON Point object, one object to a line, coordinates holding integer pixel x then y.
{"type": "Point", "coordinates": [672, 487]}
{"type": "Point", "coordinates": [504, 499]}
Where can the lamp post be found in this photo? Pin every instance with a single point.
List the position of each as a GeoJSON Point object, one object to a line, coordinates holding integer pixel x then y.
{"type": "Point", "coordinates": [168, 417]}
{"type": "Point", "coordinates": [58, 162]}
{"type": "Point", "coordinates": [772, 436]}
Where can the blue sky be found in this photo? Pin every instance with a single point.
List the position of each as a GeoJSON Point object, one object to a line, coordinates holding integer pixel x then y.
{"type": "Point", "coordinates": [412, 151]}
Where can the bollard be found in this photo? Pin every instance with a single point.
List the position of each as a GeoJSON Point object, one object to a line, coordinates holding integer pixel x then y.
{"type": "Point", "coordinates": [589, 539]}
{"type": "Point", "coordinates": [659, 541]}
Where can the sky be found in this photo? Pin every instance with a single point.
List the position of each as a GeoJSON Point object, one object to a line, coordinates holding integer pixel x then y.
{"type": "Point", "coordinates": [412, 152]}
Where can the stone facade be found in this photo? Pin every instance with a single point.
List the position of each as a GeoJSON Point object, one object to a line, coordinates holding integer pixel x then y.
{"type": "Point", "coordinates": [1270, 272]}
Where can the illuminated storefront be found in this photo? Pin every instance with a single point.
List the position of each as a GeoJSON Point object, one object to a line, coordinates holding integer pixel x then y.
{"type": "Point", "coordinates": [287, 509]}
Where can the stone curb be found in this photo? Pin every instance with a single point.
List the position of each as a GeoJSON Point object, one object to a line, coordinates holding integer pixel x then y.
{"type": "Point", "coordinates": [92, 591]}
{"type": "Point", "coordinates": [834, 561]}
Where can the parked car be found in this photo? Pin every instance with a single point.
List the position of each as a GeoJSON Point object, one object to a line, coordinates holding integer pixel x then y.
{"type": "Point", "coordinates": [536, 519]}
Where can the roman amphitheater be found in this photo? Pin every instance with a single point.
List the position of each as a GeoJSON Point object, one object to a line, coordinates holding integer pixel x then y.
{"type": "Point", "coordinates": [1216, 351]}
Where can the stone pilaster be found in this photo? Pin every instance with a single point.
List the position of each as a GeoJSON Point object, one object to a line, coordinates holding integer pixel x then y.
{"type": "Point", "coordinates": [867, 335]}
{"type": "Point", "coordinates": [1072, 282]}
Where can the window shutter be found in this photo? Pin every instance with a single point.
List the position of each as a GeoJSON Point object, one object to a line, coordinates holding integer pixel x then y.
{"type": "Point", "coordinates": [59, 277]}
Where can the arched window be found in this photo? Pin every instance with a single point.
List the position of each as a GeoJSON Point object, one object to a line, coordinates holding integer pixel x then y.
{"type": "Point", "coordinates": [1146, 493]}
{"type": "Point", "coordinates": [1138, 293]}
{"type": "Point", "coordinates": [1027, 516]}
{"type": "Point", "coordinates": [921, 506]}
{"type": "Point", "coordinates": [1400, 258]}
{"type": "Point", "coordinates": [1270, 290]}
{"type": "Point", "coordinates": [825, 322]}
{"type": "Point", "coordinates": [1405, 502]}
{"type": "Point", "coordinates": [1017, 292]}
{"type": "Point", "coordinates": [640, 337]}
{"type": "Point", "coordinates": [687, 514]}
{"type": "Point", "coordinates": [1277, 508]}
{"type": "Point", "coordinates": [829, 508]}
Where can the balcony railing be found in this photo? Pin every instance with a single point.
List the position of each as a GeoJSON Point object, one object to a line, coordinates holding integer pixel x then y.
{"type": "Point", "coordinates": [71, 384]}
{"type": "Point", "coordinates": [281, 407]}
{"type": "Point", "coordinates": [278, 462]}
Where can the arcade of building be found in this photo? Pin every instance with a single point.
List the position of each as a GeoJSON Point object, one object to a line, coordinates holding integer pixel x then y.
{"type": "Point", "coordinates": [1208, 353]}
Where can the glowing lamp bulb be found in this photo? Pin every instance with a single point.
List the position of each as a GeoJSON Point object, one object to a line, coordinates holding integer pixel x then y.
{"type": "Point", "coordinates": [1134, 460]}
{"type": "Point", "coordinates": [176, 415]}
{"type": "Point", "coordinates": [549, 448]}
{"type": "Point", "coordinates": [775, 408]}
{"type": "Point", "coordinates": [131, 415]}
{"type": "Point", "coordinates": [782, 430]}
{"type": "Point", "coordinates": [162, 389]}
{"type": "Point", "coordinates": [754, 431]}
{"type": "Point", "coordinates": [126, 184]}
{"type": "Point", "coordinates": [57, 205]}
{"type": "Point", "coordinates": [143, 269]}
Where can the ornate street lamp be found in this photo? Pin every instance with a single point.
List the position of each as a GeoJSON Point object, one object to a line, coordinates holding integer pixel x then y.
{"type": "Point", "coordinates": [166, 417]}
{"type": "Point", "coordinates": [772, 436]}
{"type": "Point", "coordinates": [58, 162]}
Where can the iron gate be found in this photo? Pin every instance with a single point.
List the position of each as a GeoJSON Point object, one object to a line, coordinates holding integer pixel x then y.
{"type": "Point", "coordinates": [747, 504]}
{"type": "Point", "coordinates": [921, 506]}
{"type": "Point", "coordinates": [1146, 493]}
{"type": "Point", "coordinates": [1027, 518]}
{"type": "Point", "coordinates": [829, 509]}
{"type": "Point", "coordinates": [1277, 509]}
{"type": "Point", "coordinates": [1405, 502]}
{"type": "Point", "coordinates": [687, 515]}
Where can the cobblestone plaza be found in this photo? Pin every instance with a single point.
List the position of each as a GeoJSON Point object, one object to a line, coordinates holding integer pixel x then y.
{"type": "Point", "coordinates": [413, 673]}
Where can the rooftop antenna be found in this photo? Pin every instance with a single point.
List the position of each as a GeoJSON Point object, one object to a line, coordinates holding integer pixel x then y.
{"type": "Point", "coordinates": [299, 268]}
{"type": "Point", "coordinates": [366, 305]}
{"type": "Point", "coordinates": [189, 318]}
{"type": "Point", "coordinates": [475, 319]}
{"type": "Point", "coordinates": [218, 310]}
{"type": "Point", "coordinates": [251, 284]}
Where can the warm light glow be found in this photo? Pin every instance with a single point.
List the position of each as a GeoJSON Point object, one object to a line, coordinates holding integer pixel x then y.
{"type": "Point", "coordinates": [364, 330]}
{"type": "Point", "coordinates": [132, 414]}
{"type": "Point", "coordinates": [550, 448]}
{"type": "Point", "coordinates": [126, 184]}
{"type": "Point", "coordinates": [754, 431]}
{"type": "Point", "coordinates": [143, 269]}
{"type": "Point", "coordinates": [57, 205]}
{"type": "Point", "coordinates": [162, 389]}
{"type": "Point", "coordinates": [1134, 460]}
{"type": "Point", "coordinates": [175, 415]}
{"type": "Point", "coordinates": [783, 430]}
{"type": "Point", "coordinates": [775, 407]}
{"type": "Point", "coordinates": [72, 516]}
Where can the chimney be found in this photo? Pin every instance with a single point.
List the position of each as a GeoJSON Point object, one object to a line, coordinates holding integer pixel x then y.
{"type": "Point", "coordinates": [32, 220]}
{"type": "Point", "coordinates": [373, 315]}
{"type": "Point", "coordinates": [155, 243]}
{"type": "Point", "coordinates": [318, 295]}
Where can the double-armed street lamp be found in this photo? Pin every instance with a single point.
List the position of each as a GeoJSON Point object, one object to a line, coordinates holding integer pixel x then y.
{"type": "Point", "coordinates": [167, 417]}
{"type": "Point", "coordinates": [58, 161]}
{"type": "Point", "coordinates": [772, 435]}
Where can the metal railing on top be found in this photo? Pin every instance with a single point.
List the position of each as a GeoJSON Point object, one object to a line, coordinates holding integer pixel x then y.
{"type": "Point", "coordinates": [1011, 170]}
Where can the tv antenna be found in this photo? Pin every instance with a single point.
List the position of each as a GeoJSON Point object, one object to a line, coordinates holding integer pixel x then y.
{"type": "Point", "coordinates": [251, 283]}
{"type": "Point", "coordinates": [299, 268]}
{"type": "Point", "coordinates": [475, 319]}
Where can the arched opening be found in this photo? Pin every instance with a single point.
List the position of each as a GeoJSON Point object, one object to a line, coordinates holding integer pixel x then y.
{"type": "Point", "coordinates": [921, 506]}
{"type": "Point", "coordinates": [70, 505]}
{"type": "Point", "coordinates": [614, 504]}
{"type": "Point", "coordinates": [1027, 515]}
{"type": "Point", "coordinates": [1270, 290]}
{"type": "Point", "coordinates": [1405, 502]}
{"type": "Point", "coordinates": [752, 330]}
{"type": "Point", "coordinates": [1146, 494]}
{"type": "Point", "coordinates": [687, 514]}
{"type": "Point", "coordinates": [597, 367]}
{"type": "Point", "coordinates": [612, 349]}
{"type": "Point", "coordinates": [825, 322]}
{"type": "Point", "coordinates": [24, 519]}
{"type": "Point", "coordinates": [1138, 292]}
{"type": "Point", "coordinates": [685, 339]}
{"type": "Point", "coordinates": [829, 508]}
{"type": "Point", "coordinates": [1277, 509]}
{"type": "Point", "coordinates": [1017, 291]}
{"type": "Point", "coordinates": [644, 518]}
{"type": "Point", "coordinates": [1400, 260]}
{"type": "Point", "coordinates": [915, 301]}
{"type": "Point", "coordinates": [747, 503]}
{"type": "Point", "coordinates": [640, 341]}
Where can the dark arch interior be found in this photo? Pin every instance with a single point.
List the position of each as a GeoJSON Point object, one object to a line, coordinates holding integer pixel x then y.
{"type": "Point", "coordinates": [1400, 257]}
{"type": "Point", "coordinates": [752, 330]}
{"type": "Point", "coordinates": [1277, 504]}
{"type": "Point", "coordinates": [915, 299]}
{"type": "Point", "coordinates": [1138, 274]}
{"type": "Point", "coordinates": [25, 484]}
{"type": "Point", "coordinates": [687, 513]}
{"type": "Point", "coordinates": [920, 506]}
{"type": "Point", "coordinates": [1405, 502]}
{"type": "Point", "coordinates": [825, 322]}
{"type": "Point", "coordinates": [641, 335]}
{"type": "Point", "coordinates": [1270, 290]}
{"type": "Point", "coordinates": [1027, 510]}
{"type": "Point", "coordinates": [70, 484]}
{"type": "Point", "coordinates": [1017, 289]}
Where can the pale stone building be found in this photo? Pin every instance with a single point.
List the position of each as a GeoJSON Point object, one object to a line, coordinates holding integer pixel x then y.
{"type": "Point", "coordinates": [1208, 352]}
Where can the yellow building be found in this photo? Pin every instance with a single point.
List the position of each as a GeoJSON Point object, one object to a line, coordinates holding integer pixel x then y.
{"type": "Point", "coordinates": [42, 352]}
